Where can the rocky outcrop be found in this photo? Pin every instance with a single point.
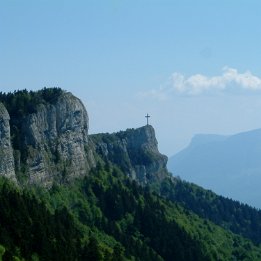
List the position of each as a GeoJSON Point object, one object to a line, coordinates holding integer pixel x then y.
{"type": "Point", "coordinates": [135, 151]}
{"type": "Point", "coordinates": [51, 142]}
{"type": "Point", "coordinates": [7, 167]}
{"type": "Point", "coordinates": [56, 137]}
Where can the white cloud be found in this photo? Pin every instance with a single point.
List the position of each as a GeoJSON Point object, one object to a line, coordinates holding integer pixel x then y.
{"type": "Point", "coordinates": [199, 83]}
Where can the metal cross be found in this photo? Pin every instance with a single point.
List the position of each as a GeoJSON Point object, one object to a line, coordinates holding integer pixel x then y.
{"type": "Point", "coordinates": [147, 116]}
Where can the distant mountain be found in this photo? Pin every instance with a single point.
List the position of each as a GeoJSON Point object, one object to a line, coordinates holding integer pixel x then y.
{"type": "Point", "coordinates": [228, 165]}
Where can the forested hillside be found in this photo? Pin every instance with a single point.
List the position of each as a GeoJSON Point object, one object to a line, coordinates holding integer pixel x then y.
{"type": "Point", "coordinates": [106, 216]}
{"type": "Point", "coordinates": [230, 214]}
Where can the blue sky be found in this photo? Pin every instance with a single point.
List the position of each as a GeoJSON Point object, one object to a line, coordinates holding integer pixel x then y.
{"type": "Point", "coordinates": [193, 65]}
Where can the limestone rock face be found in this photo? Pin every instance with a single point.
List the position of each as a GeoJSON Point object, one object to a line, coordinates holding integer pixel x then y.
{"type": "Point", "coordinates": [56, 137]}
{"type": "Point", "coordinates": [51, 144]}
{"type": "Point", "coordinates": [7, 166]}
{"type": "Point", "coordinates": [135, 151]}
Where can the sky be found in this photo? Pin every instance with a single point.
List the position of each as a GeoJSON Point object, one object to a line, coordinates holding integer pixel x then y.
{"type": "Point", "coordinates": [194, 66]}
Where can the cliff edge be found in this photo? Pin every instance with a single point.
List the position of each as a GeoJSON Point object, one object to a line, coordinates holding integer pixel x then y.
{"type": "Point", "coordinates": [44, 139]}
{"type": "Point", "coordinates": [135, 151]}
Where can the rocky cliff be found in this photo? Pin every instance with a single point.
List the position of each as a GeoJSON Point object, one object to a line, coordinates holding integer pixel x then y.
{"type": "Point", "coordinates": [7, 167]}
{"type": "Point", "coordinates": [135, 151]}
{"type": "Point", "coordinates": [51, 142]}
{"type": "Point", "coordinates": [56, 137]}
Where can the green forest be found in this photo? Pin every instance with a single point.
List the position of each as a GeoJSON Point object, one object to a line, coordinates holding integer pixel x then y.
{"type": "Point", "coordinates": [230, 214]}
{"type": "Point", "coordinates": [106, 216]}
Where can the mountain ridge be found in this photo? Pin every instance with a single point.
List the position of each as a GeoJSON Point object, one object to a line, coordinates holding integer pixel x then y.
{"type": "Point", "coordinates": [229, 166]}
{"type": "Point", "coordinates": [53, 144]}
